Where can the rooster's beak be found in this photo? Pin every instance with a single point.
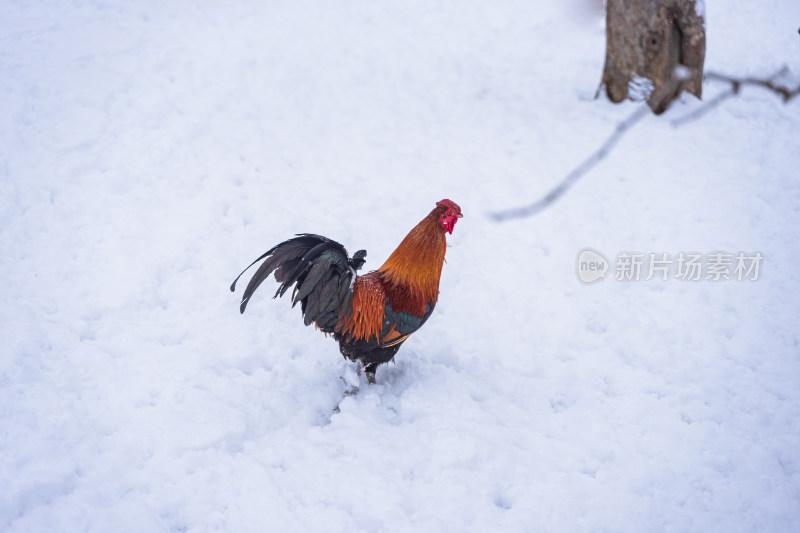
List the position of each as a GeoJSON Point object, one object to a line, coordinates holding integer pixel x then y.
{"type": "Point", "coordinates": [460, 215]}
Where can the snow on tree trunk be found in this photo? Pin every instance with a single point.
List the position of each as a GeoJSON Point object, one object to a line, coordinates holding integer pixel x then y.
{"type": "Point", "coordinates": [646, 42]}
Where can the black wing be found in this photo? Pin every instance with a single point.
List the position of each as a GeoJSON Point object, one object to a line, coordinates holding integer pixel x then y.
{"type": "Point", "coordinates": [320, 271]}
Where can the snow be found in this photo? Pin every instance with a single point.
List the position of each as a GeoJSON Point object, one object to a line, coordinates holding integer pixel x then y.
{"type": "Point", "coordinates": [640, 88]}
{"type": "Point", "coordinates": [150, 150]}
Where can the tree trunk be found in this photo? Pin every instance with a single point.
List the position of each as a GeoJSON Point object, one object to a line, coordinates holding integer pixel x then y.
{"type": "Point", "coordinates": [648, 40]}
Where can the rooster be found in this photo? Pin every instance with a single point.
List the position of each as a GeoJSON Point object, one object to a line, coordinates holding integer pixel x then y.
{"type": "Point", "coordinates": [369, 315]}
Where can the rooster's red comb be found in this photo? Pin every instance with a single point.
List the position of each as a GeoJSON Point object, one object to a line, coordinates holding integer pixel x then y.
{"type": "Point", "coordinates": [449, 204]}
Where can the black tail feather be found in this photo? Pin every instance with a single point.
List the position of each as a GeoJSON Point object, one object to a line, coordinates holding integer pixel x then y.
{"type": "Point", "coordinates": [265, 254]}
{"type": "Point", "coordinates": [317, 267]}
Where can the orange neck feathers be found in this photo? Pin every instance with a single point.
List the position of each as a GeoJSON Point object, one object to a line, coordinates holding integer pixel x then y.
{"type": "Point", "coordinates": [413, 270]}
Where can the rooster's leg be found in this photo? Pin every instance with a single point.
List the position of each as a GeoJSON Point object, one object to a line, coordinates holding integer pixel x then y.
{"type": "Point", "coordinates": [369, 370]}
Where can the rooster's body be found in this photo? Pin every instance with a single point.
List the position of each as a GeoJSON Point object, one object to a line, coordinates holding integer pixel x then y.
{"type": "Point", "coordinates": [370, 315]}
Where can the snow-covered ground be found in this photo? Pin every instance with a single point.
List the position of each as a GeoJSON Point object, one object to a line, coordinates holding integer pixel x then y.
{"type": "Point", "coordinates": [150, 150]}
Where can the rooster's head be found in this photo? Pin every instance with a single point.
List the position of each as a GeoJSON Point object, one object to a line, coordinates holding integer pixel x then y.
{"type": "Point", "coordinates": [448, 215]}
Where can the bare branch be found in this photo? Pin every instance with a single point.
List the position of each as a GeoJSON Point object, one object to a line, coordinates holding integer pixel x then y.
{"type": "Point", "coordinates": [734, 90]}
{"type": "Point", "coordinates": [577, 173]}
{"type": "Point", "coordinates": [601, 153]}
{"type": "Point", "coordinates": [769, 83]}
{"type": "Point", "coordinates": [678, 76]}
